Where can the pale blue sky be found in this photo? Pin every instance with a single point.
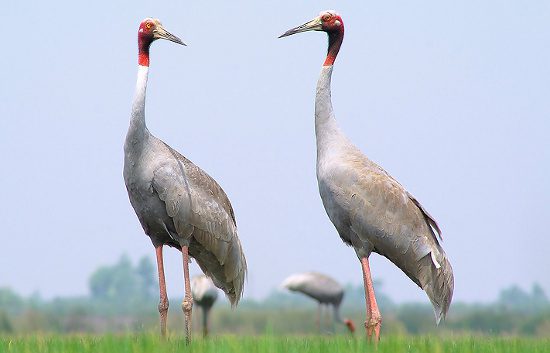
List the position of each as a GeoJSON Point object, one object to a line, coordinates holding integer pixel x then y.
{"type": "Point", "coordinates": [452, 99]}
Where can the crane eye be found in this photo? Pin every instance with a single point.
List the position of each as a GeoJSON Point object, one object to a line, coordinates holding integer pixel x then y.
{"type": "Point", "coordinates": [326, 17]}
{"type": "Point", "coordinates": [148, 25]}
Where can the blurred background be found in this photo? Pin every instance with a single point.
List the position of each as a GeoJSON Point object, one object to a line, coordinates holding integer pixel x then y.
{"type": "Point", "coordinates": [450, 98]}
{"type": "Point", "coordinates": [123, 298]}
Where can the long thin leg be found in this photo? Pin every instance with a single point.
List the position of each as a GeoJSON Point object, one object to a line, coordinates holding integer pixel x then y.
{"type": "Point", "coordinates": [163, 303]}
{"type": "Point", "coordinates": [328, 321]}
{"type": "Point", "coordinates": [205, 321]}
{"type": "Point", "coordinates": [374, 319]}
{"type": "Point", "coordinates": [318, 320]}
{"type": "Point", "coordinates": [333, 317]}
{"type": "Point", "coordinates": [321, 319]}
{"type": "Point", "coordinates": [187, 304]}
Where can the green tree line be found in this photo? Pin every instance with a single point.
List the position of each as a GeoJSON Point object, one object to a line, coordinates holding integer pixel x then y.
{"type": "Point", "coordinates": [123, 298]}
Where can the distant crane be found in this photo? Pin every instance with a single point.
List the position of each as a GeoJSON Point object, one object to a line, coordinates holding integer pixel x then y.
{"type": "Point", "coordinates": [204, 295]}
{"type": "Point", "coordinates": [177, 203]}
{"type": "Point", "coordinates": [322, 288]}
{"type": "Point", "coordinates": [370, 210]}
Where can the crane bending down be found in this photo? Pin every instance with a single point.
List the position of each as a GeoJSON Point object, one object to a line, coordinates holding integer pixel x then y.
{"type": "Point", "coordinates": [177, 203]}
{"type": "Point", "coordinates": [322, 288]}
{"type": "Point", "coordinates": [370, 210]}
{"type": "Point", "coordinates": [204, 295]}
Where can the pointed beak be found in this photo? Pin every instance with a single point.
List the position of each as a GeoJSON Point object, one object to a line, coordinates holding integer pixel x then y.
{"type": "Point", "coordinates": [161, 33]}
{"type": "Point", "coordinates": [314, 25]}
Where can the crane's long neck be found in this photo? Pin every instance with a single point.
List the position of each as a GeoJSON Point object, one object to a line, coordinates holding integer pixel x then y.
{"type": "Point", "coordinates": [327, 132]}
{"type": "Point", "coordinates": [137, 131]}
{"type": "Point", "coordinates": [335, 39]}
{"type": "Point", "coordinates": [326, 129]}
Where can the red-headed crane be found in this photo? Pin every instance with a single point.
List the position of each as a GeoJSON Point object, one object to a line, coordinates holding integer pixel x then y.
{"type": "Point", "coordinates": [371, 211]}
{"type": "Point", "coordinates": [177, 203]}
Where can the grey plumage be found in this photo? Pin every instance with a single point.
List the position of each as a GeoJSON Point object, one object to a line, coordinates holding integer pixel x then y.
{"type": "Point", "coordinates": [178, 204]}
{"type": "Point", "coordinates": [205, 295]}
{"type": "Point", "coordinates": [318, 286]}
{"type": "Point", "coordinates": [322, 288]}
{"type": "Point", "coordinates": [204, 292]}
{"type": "Point", "coordinates": [372, 212]}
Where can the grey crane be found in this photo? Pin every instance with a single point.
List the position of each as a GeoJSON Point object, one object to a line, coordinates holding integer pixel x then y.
{"type": "Point", "coordinates": [204, 295]}
{"type": "Point", "coordinates": [371, 211]}
{"type": "Point", "coordinates": [322, 288]}
{"type": "Point", "coordinates": [176, 202]}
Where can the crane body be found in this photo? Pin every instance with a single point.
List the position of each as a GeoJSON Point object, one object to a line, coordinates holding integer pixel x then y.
{"type": "Point", "coordinates": [323, 289]}
{"type": "Point", "coordinates": [370, 210]}
{"type": "Point", "coordinates": [176, 202]}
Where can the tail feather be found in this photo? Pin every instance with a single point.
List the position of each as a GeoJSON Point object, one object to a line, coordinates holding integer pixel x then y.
{"type": "Point", "coordinates": [437, 282]}
{"type": "Point", "coordinates": [229, 276]}
{"type": "Point", "coordinates": [236, 271]}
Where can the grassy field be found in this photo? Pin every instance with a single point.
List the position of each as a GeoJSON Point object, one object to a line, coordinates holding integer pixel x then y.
{"type": "Point", "coordinates": [149, 343]}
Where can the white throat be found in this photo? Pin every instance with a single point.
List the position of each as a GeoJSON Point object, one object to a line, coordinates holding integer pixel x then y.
{"type": "Point", "coordinates": [141, 87]}
{"type": "Point", "coordinates": [137, 131]}
{"type": "Point", "coordinates": [329, 137]}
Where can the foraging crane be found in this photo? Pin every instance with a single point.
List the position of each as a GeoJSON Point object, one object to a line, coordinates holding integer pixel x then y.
{"type": "Point", "coordinates": [322, 288]}
{"type": "Point", "coordinates": [371, 211]}
{"type": "Point", "coordinates": [176, 202]}
{"type": "Point", "coordinates": [204, 295]}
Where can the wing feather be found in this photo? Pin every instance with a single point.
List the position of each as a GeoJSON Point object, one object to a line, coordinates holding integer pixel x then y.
{"type": "Point", "coordinates": [384, 207]}
{"type": "Point", "coordinates": [200, 208]}
{"type": "Point", "coordinates": [390, 220]}
{"type": "Point", "coordinates": [192, 197]}
{"type": "Point", "coordinates": [171, 188]}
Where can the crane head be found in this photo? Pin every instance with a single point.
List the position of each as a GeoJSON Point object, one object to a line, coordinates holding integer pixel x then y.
{"type": "Point", "coordinates": [328, 21]}
{"type": "Point", "coordinates": [350, 325]}
{"type": "Point", "coordinates": [151, 29]}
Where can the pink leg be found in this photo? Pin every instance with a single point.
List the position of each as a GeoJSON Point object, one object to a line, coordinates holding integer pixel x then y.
{"type": "Point", "coordinates": [187, 304]}
{"type": "Point", "coordinates": [374, 319]}
{"type": "Point", "coordinates": [163, 303]}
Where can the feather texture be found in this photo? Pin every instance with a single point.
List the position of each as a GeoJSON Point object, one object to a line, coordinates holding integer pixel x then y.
{"type": "Point", "coordinates": [316, 285]}
{"type": "Point", "coordinates": [178, 204]}
{"type": "Point", "coordinates": [373, 212]}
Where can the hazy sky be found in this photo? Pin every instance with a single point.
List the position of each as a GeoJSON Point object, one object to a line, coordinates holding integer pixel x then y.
{"type": "Point", "coordinates": [451, 98]}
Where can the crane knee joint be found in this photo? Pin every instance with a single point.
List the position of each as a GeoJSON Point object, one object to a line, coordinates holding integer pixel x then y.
{"type": "Point", "coordinates": [187, 304]}
{"type": "Point", "coordinates": [163, 306]}
{"type": "Point", "coordinates": [373, 321]}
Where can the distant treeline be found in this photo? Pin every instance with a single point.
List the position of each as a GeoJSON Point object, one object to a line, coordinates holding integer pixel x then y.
{"type": "Point", "coordinates": [124, 297]}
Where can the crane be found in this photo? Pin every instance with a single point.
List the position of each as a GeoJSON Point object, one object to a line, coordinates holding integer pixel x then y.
{"type": "Point", "coordinates": [204, 295]}
{"type": "Point", "coordinates": [176, 202]}
{"type": "Point", "coordinates": [322, 288]}
{"type": "Point", "coordinates": [370, 210]}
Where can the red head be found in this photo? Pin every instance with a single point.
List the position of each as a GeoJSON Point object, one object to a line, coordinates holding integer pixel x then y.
{"type": "Point", "coordinates": [328, 21]}
{"type": "Point", "coordinates": [150, 29]}
{"type": "Point", "coordinates": [332, 22]}
{"type": "Point", "coordinates": [350, 325]}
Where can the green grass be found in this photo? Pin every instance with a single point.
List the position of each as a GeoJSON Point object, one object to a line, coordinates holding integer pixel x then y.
{"type": "Point", "coordinates": [151, 343]}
